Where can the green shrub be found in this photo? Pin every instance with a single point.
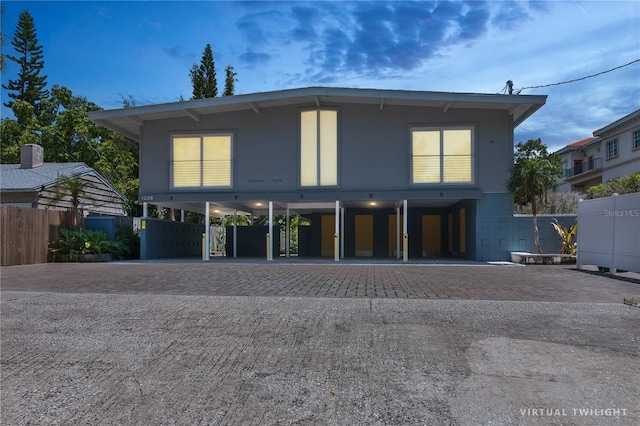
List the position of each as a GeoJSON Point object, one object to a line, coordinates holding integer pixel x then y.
{"type": "Point", "coordinates": [623, 185]}
{"type": "Point", "coordinates": [129, 239]}
{"type": "Point", "coordinates": [83, 241]}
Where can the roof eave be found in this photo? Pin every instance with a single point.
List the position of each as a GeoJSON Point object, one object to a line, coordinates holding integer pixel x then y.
{"type": "Point", "coordinates": [620, 122]}
{"type": "Point", "coordinates": [118, 119]}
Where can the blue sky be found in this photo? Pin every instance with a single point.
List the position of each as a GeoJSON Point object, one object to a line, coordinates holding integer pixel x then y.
{"type": "Point", "coordinates": [106, 50]}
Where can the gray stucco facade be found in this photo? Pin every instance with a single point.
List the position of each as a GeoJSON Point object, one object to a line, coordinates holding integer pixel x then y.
{"type": "Point", "coordinates": [374, 164]}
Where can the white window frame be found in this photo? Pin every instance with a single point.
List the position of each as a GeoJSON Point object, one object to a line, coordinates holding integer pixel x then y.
{"type": "Point", "coordinates": [612, 148]}
{"type": "Point", "coordinates": [319, 156]}
{"type": "Point", "coordinates": [636, 139]}
{"type": "Point", "coordinates": [202, 136]}
{"type": "Point", "coordinates": [441, 130]}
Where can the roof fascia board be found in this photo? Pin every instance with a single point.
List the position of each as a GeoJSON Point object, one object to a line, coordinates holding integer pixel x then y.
{"type": "Point", "coordinates": [624, 120]}
{"type": "Point", "coordinates": [317, 93]}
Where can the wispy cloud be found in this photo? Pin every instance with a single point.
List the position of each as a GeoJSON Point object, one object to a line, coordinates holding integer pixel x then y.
{"type": "Point", "coordinates": [178, 52]}
{"type": "Point", "coordinates": [252, 58]}
{"type": "Point", "coordinates": [375, 38]}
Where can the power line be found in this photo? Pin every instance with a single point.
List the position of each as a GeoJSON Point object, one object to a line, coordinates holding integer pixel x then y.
{"type": "Point", "coordinates": [509, 86]}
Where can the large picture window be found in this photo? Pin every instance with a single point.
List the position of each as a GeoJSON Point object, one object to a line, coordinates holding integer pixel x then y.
{"type": "Point", "coordinates": [442, 155]}
{"type": "Point", "coordinates": [319, 148]}
{"type": "Point", "coordinates": [202, 161]}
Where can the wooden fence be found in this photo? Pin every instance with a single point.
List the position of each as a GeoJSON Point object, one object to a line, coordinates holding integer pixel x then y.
{"type": "Point", "coordinates": [25, 234]}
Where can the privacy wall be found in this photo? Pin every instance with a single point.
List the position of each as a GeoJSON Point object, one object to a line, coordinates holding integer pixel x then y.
{"type": "Point", "coordinates": [609, 232]}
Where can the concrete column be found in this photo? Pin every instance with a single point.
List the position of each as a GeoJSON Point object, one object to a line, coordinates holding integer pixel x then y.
{"type": "Point", "coordinates": [159, 211]}
{"type": "Point", "coordinates": [235, 233]}
{"type": "Point", "coordinates": [342, 233]}
{"type": "Point", "coordinates": [182, 216]}
{"type": "Point", "coordinates": [270, 230]}
{"type": "Point", "coordinates": [336, 236]}
{"type": "Point", "coordinates": [405, 233]}
{"type": "Point", "coordinates": [288, 235]}
{"type": "Point", "coordinates": [207, 231]}
{"type": "Point", "coordinates": [145, 209]}
{"type": "Point", "coordinates": [398, 236]}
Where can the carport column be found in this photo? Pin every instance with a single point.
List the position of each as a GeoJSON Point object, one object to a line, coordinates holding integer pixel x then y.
{"type": "Point", "coordinates": [405, 234]}
{"type": "Point", "coordinates": [398, 231]}
{"type": "Point", "coordinates": [235, 233]}
{"type": "Point", "coordinates": [207, 232]}
{"type": "Point", "coordinates": [336, 235]}
{"type": "Point", "coordinates": [287, 235]}
{"type": "Point", "coordinates": [342, 233]}
{"type": "Point", "coordinates": [143, 231]}
{"type": "Point", "coordinates": [270, 236]}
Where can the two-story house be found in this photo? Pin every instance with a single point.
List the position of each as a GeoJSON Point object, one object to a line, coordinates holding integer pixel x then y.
{"type": "Point", "coordinates": [384, 173]}
{"type": "Point", "coordinates": [612, 152]}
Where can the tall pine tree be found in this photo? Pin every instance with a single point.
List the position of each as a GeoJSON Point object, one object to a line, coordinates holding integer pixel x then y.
{"type": "Point", "coordinates": [3, 62]}
{"type": "Point", "coordinates": [203, 77]}
{"type": "Point", "coordinates": [30, 85]}
{"type": "Point", "coordinates": [230, 82]}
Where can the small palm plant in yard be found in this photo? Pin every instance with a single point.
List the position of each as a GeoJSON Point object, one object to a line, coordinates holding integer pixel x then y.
{"type": "Point", "coordinates": [568, 235]}
{"type": "Point", "coordinates": [73, 189]}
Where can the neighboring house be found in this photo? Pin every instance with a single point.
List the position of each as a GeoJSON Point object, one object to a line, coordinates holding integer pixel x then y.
{"type": "Point", "coordinates": [378, 173]}
{"type": "Point", "coordinates": [613, 152]}
{"type": "Point", "coordinates": [32, 184]}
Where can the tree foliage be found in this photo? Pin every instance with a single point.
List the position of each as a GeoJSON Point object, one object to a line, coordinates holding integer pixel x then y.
{"type": "Point", "coordinates": [73, 188]}
{"type": "Point", "coordinates": [230, 82]}
{"type": "Point", "coordinates": [534, 172]}
{"type": "Point", "coordinates": [30, 84]}
{"type": "Point", "coordinates": [3, 61]}
{"type": "Point", "coordinates": [622, 185]}
{"type": "Point", "coordinates": [203, 77]}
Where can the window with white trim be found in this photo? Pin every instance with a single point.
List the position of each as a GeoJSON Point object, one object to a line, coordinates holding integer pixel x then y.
{"type": "Point", "coordinates": [202, 161]}
{"type": "Point", "coordinates": [442, 155]}
{"type": "Point", "coordinates": [636, 139]}
{"type": "Point", "coordinates": [612, 148]}
{"type": "Point", "coordinates": [319, 148]}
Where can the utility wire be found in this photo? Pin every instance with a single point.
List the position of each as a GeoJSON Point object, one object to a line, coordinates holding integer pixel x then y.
{"type": "Point", "coordinates": [510, 84]}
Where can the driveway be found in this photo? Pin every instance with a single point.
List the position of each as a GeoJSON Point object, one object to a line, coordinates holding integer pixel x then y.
{"type": "Point", "coordinates": [317, 344]}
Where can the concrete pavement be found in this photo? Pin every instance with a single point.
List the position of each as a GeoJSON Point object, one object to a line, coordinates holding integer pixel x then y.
{"type": "Point", "coordinates": [317, 344]}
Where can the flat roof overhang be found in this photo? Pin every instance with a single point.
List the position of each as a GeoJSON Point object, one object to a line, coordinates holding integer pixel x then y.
{"type": "Point", "coordinates": [257, 204]}
{"type": "Point", "coordinates": [130, 121]}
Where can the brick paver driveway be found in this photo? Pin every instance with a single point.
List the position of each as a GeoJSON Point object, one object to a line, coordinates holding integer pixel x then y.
{"type": "Point", "coordinates": [473, 281]}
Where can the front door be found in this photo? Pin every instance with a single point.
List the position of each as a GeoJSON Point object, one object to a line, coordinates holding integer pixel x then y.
{"type": "Point", "coordinates": [364, 235]}
{"type": "Point", "coordinates": [328, 230]}
{"type": "Point", "coordinates": [431, 235]}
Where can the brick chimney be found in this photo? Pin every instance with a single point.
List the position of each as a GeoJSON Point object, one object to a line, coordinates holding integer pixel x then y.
{"type": "Point", "coordinates": [31, 156]}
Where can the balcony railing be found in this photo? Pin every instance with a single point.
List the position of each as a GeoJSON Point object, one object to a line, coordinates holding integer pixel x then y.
{"type": "Point", "coordinates": [586, 166]}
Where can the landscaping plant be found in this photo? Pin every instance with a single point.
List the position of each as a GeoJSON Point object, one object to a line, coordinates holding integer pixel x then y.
{"type": "Point", "coordinates": [82, 241]}
{"type": "Point", "coordinates": [567, 235]}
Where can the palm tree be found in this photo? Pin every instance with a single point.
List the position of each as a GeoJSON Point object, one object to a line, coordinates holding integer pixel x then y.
{"type": "Point", "coordinates": [534, 172]}
{"type": "Point", "coordinates": [73, 188]}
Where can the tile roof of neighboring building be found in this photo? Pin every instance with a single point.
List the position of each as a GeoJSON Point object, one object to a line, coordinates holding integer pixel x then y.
{"type": "Point", "coordinates": [582, 142]}
{"type": "Point", "coordinates": [575, 145]}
